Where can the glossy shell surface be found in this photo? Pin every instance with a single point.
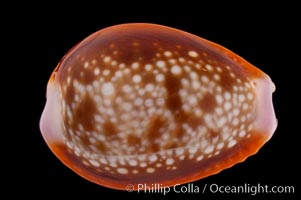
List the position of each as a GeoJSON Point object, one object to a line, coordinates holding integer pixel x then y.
{"type": "Point", "coordinates": [144, 103]}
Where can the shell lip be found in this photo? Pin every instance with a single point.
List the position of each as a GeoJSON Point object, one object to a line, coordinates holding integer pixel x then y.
{"type": "Point", "coordinates": [51, 125]}
{"type": "Point", "coordinates": [266, 121]}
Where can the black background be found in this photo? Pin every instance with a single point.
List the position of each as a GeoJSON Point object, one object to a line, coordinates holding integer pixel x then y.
{"type": "Point", "coordinates": [265, 35]}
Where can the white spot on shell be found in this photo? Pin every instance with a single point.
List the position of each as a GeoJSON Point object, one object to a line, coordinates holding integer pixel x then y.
{"type": "Point", "coordinates": [199, 158]}
{"type": "Point", "coordinates": [143, 164]}
{"type": "Point", "coordinates": [242, 133]}
{"type": "Point", "coordinates": [192, 100]}
{"type": "Point", "coordinates": [236, 112]}
{"type": "Point", "coordinates": [121, 65]}
{"type": "Point", "coordinates": [219, 99]}
{"type": "Point", "coordinates": [160, 101]}
{"type": "Point", "coordinates": [220, 145]}
{"type": "Point", "coordinates": [127, 106]}
{"type": "Point", "coordinates": [241, 97]}
{"type": "Point", "coordinates": [227, 95]}
{"type": "Point", "coordinates": [122, 171]}
{"type": "Point", "coordinates": [179, 151]}
{"type": "Point", "coordinates": [107, 59]}
{"type": "Point", "coordinates": [135, 65]}
{"type": "Point", "coordinates": [106, 72]}
{"type": "Point", "coordinates": [148, 67]}
{"type": "Point", "coordinates": [114, 63]}
{"type": "Point", "coordinates": [245, 106]}
{"type": "Point", "coordinates": [235, 121]}
{"type": "Point", "coordinates": [138, 102]}
{"type": "Point", "coordinates": [250, 127]}
{"type": "Point", "coordinates": [133, 162]}
{"type": "Point", "coordinates": [94, 163]}
{"type": "Point", "coordinates": [205, 79]}
{"type": "Point", "coordinates": [136, 78]}
{"type": "Point", "coordinates": [221, 122]}
{"type": "Point", "coordinates": [149, 87]}
{"type": "Point", "coordinates": [209, 149]}
{"type": "Point", "coordinates": [227, 106]}
{"type": "Point", "coordinates": [193, 75]}
{"type": "Point", "coordinates": [153, 158]}
{"type": "Point", "coordinates": [216, 77]}
{"type": "Point", "coordinates": [160, 64]}
{"type": "Point", "coordinates": [193, 54]}
{"type": "Point", "coordinates": [232, 143]}
{"type": "Point", "coordinates": [159, 77]}
{"type": "Point", "coordinates": [196, 85]}
{"type": "Point", "coordinates": [96, 71]}
{"type": "Point", "coordinates": [170, 161]}
{"type": "Point", "coordinates": [86, 65]}
{"type": "Point", "coordinates": [107, 89]}
{"type": "Point", "coordinates": [149, 102]}
{"type": "Point", "coordinates": [126, 88]}
{"type": "Point", "coordinates": [192, 150]}
{"type": "Point", "coordinates": [167, 53]}
{"type": "Point", "coordinates": [118, 73]}
{"type": "Point", "coordinates": [250, 96]}
{"type": "Point", "coordinates": [209, 67]}
{"type": "Point", "coordinates": [182, 60]}
{"type": "Point", "coordinates": [176, 70]}
{"type": "Point", "coordinates": [150, 170]}
{"type": "Point", "coordinates": [219, 69]}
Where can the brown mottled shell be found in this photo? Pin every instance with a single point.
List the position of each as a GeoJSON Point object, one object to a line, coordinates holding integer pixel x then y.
{"type": "Point", "coordinates": [144, 103]}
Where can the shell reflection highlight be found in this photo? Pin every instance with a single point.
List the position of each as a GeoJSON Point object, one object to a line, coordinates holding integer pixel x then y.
{"type": "Point", "coordinates": [144, 103]}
